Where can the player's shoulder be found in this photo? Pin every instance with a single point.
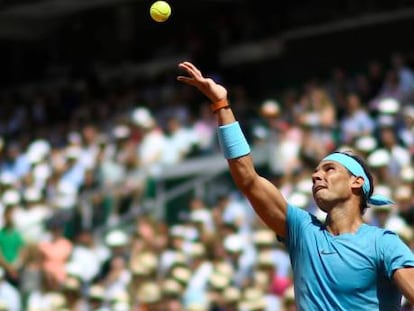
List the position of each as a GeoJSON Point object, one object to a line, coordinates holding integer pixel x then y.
{"type": "Point", "coordinates": [378, 233]}
{"type": "Point", "coordinates": [298, 214]}
{"type": "Point", "coordinates": [377, 230]}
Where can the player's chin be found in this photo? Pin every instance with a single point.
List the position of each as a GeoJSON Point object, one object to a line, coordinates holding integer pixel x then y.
{"type": "Point", "coordinates": [321, 203]}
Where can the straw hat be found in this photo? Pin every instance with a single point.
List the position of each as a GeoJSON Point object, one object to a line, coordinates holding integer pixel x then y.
{"type": "Point", "coordinates": [231, 295]}
{"type": "Point", "coordinates": [218, 281]}
{"type": "Point", "coordinates": [149, 292]}
{"type": "Point", "coordinates": [197, 250]}
{"type": "Point", "coordinates": [197, 306]}
{"type": "Point", "coordinates": [264, 237]}
{"type": "Point", "coordinates": [265, 259]}
{"type": "Point", "coordinates": [96, 292]}
{"type": "Point", "coordinates": [224, 268]}
{"type": "Point", "coordinates": [181, 274]}
{"type": "Point", "coordinates": [72, 284]}
{"type": "Point", "coordinates": [171, 286]}
{"type": "Point", "coordinates": [144, 264]}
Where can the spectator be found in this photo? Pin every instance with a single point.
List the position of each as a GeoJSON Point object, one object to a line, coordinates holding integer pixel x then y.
{"type": "Point", "coordinates": [11, 246]}
{"type": "Point", "coordinates": [238, 255]}
{"type": "Point", "coordinates": [405, 75]}
{"type": "Point", "coordinates": [55, 252]}
{"type": "Point", "coordinates": [118, 243]}
{"type": "Point", "coordinates": [202, 268]}
{"type": "Point", "coordinates": [105, 161]}
{"type": "Point", "coordinates": [15, 161]}
{"type": "Point", "coordinates": [289, 300]}
{"type": "Point", "coordinates": [96, 298]}
{"type": "Point", "coordinates": [87, 255]}
{"type": "Point", "coordinates": [30, 218]}
{"type": "Point", "coordinates": [406, 131]}
{"type": "Point", "coordinates": [117, 278]}
{"type": "Point", "coordinates": [376, 77]}
{"type": "Point", "coordinates": [320, 116]}
{"type": "Point", "coordinates": [399, 155]}
{"type": "Point", "coordinates": [404, 202]}
{"type": "Point", "coordinates": [172, 293]}
{"type": "Point", "coordinates": [9, 295]}
{"type": "Point", "coordinates": [265, 242]}
{"type": "Point", "coordinates": [356, 121]}
{"type": "Point", "coordinates": [148, 297]}
{"type": "Point", "coordinates": [153, 142]}
{"type": "Point", "coordinates": [31, 275]}
{"type": "Point", "coordinates": [45, 297]}
{"type": "Point", "coordinates": [203, 127]}
{"type": "Point", "coordinates": [181, 141]}
{"type": "Point", "coordinates": [72, 291]}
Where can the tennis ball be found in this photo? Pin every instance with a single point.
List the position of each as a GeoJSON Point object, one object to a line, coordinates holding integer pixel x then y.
{"type": "Point", "coordinates": [160, 11]}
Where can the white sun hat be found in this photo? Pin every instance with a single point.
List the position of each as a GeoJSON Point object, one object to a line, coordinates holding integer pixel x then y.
{"type": "Point", "coordinates": [116, 238]}
{"type": "Point", "coordinates": [11, 197]}
{"type": "Point", "coordinates": [32, 194]}
{"type": "Point", "coordinates": [121, 131]}
{"type": "Point", "coordinates": [7, 178]}
{"type": "Point", "coordinates": [379, 158]}
{"type": "Point", "coordinates": [234, 243]}
{"type": "Point", "coordinates": [142, 117]}
{"type": "Point", "coordinates": [366, 143]}
{"type": "Point", "coordinates": [38, 150]}
{"type": "Point", "coordinates": [388, 105]}
{"type": "Point", "coordinates": [270, 108]}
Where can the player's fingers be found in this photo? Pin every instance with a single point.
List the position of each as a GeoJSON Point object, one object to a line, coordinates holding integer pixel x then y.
{"type": "Point", "coordinates": [186, 80]}
{"type": "Point", "coordinates": [188, 69]}
{"type": "Point", "coordinates": [194, 68]}
{"type": "Point", "coordinates": [191, 69]}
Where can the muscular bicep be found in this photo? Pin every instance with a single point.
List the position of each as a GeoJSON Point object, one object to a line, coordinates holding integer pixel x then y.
{"type": "Point", "coordinates": [404, 278]}
{"type": "Point", "coordinates": [264, 197]}
{"type": "Point", "coordinates": [269, 204]}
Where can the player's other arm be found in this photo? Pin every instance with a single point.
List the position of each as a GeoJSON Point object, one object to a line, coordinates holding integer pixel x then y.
{"type": "Point", "coordinates": [404, 278]}
{"type": "Point", "coordinates": [265, 198]}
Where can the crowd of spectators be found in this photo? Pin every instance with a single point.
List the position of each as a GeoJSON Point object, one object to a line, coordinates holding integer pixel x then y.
{"type": "Point", "coordinates": [75, 161]}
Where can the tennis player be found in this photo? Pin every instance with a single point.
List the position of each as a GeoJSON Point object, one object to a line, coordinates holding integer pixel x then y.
{"type": "Point", "coordinates": [341, 264]}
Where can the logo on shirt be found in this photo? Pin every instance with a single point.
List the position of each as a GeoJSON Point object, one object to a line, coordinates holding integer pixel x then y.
{"type": "Point", "coordinates": [324, 252]}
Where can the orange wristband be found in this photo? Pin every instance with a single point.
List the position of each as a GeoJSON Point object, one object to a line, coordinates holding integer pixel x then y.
{"type": "Point", "coordinates": [223, 103]}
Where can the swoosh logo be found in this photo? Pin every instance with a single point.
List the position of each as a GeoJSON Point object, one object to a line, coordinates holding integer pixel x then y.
{"type": "Point", "coordinates": [324, 252]}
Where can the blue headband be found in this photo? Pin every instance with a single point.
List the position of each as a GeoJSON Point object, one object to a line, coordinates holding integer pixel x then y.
{"type": "Point", "coordinates": [356, 169]}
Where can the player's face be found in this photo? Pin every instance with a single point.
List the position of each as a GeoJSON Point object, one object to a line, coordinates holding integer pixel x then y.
{"type": "Point", "coordinates": [331, 184]}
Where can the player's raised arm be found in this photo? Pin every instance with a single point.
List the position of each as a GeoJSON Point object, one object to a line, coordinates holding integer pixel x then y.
{"type": "Point", "coordinates": [265, 198]}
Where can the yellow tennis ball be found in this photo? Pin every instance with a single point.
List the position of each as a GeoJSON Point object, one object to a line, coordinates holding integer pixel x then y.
{"type": "Point", "coordinates": [160, 11]}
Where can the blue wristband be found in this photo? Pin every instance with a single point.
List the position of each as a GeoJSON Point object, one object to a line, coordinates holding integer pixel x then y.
{"type": "Point", "coordinates": [232, 141]}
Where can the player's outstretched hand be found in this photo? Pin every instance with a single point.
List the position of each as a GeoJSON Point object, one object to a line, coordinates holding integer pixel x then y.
{"type": "Point", "coordinates": [207, 86]}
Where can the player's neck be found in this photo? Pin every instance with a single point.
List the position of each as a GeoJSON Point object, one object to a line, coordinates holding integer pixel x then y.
{"type": "Point", "coordinates": [343, 219]}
